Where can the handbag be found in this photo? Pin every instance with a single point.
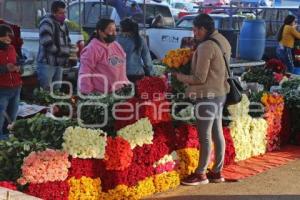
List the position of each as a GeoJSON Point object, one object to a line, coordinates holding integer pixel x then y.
{"type": "Point", "coordinates": [235, 94]}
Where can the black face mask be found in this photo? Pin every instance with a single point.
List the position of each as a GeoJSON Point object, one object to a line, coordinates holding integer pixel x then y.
{"type": "Point", "coordinates": [3, 46]}
{"type": "Point", "coordinates": [109, 38]}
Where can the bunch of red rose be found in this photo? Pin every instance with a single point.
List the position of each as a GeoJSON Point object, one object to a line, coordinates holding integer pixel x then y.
{"type": "Point", "coordinates": [276, 65]}
{"type": "Point", "coordinates": [150, 88]}
{"type": "Point", "coordinates": [273, 132]}
{"type": "Point", "coordinates": [86, 167]}
{"type": "Point", "coordinates": [230, 150]}
{"type": "Point", "coordinates": [148, 154]}
{"type": "Point", "coordinates": [186, 136]}
{"type": "Point", "coordinates": [129, 177]}
{"type": "Point", "coordinates": [118, 154]}
{"type": "Point", "coordinates": [50, 190]}
{"type": "Point", "coordinates": [165, 133]}
{"type": "Point", "coordinates": [155, 111]}
{"type": "Point", "coordinates": [8, 184]}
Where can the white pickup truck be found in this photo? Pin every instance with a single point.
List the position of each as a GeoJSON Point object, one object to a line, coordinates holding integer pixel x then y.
{"type": "Point", "coordinates": [160, 39]}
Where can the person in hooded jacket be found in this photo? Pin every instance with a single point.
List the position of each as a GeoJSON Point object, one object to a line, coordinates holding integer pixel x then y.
{"type": "Point", "coordinates": [102, 61]}
{"type": "Point", "coordinates": [10, 80]}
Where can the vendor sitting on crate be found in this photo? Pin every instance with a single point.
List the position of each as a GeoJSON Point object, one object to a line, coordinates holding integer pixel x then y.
{"type": "Point", "coordinates": [286, 37]}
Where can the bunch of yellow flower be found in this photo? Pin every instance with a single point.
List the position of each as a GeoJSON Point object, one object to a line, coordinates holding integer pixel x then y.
{"type": "Point", "coordinates": [258, 132]}
{"type": "Point", "coordinates": [166, 181]}
{"type": "Point", "coordinates": [145, 188]}
{"type": "Point", "coordinates": [271, 98]}
{"type": "Point", "coordinates": [188, 161]}
{"type": "Point", "coordinates": [177, 58]}
{"type": "Point", "coordinates": [240, 132]}
{"type": "Point", "coordinates": [85, 188]}
{"type": "Point", "coordinates": [120, 192]}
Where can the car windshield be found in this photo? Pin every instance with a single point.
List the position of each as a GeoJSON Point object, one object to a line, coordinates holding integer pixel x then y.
{"type": "Point", "coordinates": [89, 12]}
{"type": "Point", "coordinates": [153, 10]}
{"type": "Point", "coordinates": [221, 22]}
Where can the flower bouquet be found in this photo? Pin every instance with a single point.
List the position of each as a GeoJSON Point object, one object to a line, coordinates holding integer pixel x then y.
{"type": "Point", "coordinates": [178, 60]}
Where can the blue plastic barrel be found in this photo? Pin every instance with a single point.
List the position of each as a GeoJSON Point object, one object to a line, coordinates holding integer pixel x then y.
{"type": "Point", "coordinates": [252, 39]}
{"type": "Point", "coordinates": [296, 70]}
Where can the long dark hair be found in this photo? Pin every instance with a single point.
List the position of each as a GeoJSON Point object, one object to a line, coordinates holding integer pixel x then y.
{"type": "Point", "coordinates": [287, 21]}
{"type": "Point", "coordinates": [205, 21]}
{"type": "Point", "coordinates": [130, 26]}
{"type": "Point", "coordinates": [102, 24]}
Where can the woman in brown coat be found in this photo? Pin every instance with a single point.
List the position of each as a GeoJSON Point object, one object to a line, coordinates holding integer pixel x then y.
{"type": "Point", "coordinates": [208, 85]}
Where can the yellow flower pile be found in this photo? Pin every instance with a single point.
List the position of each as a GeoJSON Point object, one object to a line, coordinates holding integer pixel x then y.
{"type": "Point", "coordinates": [120, 192]}
{"type": "Point", "coordinates": [138, 134]}
{"type": "Point", "coordinates": [240, 132]}
{"type": "Point", "coordinates": [85, 189]}
{"type": "Point", "coordinates": [258, 131]}
{"type": "Point", "coordinates": [248, 134]}
{"type": "Point", "coordinates": [166, 181]}
{"type": "Point", "coordinates": [177, 58]}
{"type": "Point", "coordinates": [241, 109]}
{"type": "Point", "coordinates": [188, 161]}
{"type": "Point", "coordinates": [145, 188]}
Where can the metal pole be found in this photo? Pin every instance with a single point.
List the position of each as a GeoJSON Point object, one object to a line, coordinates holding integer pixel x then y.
{"type": "Point", "coordinates": [80, 12]}
{"type": "Point", "coordinates": [144, 21]}
{"type": "Point", "coordinates": [230, 17]}
{"type": "Point", "coordinates": [106, 8]}
{"type": "Point", "coordinates": [68, 6]}
{"type": "Point", "coordinates": [100, 16]}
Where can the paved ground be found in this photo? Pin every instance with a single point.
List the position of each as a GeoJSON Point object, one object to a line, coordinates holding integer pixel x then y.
{"type": "Point", "coordinates": [282, 183]}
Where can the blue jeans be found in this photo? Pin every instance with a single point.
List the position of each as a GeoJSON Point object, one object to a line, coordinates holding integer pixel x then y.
{"type": "Point", "coordinates": [286, 56]}
{"type": "Point", "coordinates": [47, 74]}
{"type": "Point", "coordinates": [9, 104]}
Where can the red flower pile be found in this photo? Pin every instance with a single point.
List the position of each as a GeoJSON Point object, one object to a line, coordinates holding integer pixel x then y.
{"type": "Point", "coordinates": [274, 104]}
{"type": "Point", "coordinates": [165, 133]}
{"type": "Point", "coordinates": [155, 111]}
{"type": "Point", "coordinates": [276, 65]}
{"type": "Point", "coordinates": [129, 177]}
{"type": "Point", "coordinates": [50, 190]}
{"type": "Point", "coordinates": [8, 184]}
{"type": "Point", "coordinates": [230, 150]}
{"type": "Point", "coordinates": [86, 167]}
{"type": "Point", "coordinates": [149, 154]}
{"type": "Point", "coordinates": [118, 154]}
{"type": "Point", "coordinates": [150, 88]}
{"type": "Point", "coordinates": [186, 136]}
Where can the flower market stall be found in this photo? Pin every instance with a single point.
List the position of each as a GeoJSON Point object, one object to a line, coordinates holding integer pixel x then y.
{"type": "Point", "coordinates": [142, 150]}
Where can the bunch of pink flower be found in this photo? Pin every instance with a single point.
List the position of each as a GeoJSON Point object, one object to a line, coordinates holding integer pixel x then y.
{"type": "Point", "coordinates": [41, 167]}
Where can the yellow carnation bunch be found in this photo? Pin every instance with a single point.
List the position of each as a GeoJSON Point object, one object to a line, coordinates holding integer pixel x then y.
{"type": "Point", "coordinates": [177, 58]}
{"type": "Point", "coordinates": [85, 188]}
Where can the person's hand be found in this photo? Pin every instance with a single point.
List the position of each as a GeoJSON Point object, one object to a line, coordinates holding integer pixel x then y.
{"type": "Point", "coordinates": [13, 68]}
{"type": "Point", "coordinates": [176, 75]}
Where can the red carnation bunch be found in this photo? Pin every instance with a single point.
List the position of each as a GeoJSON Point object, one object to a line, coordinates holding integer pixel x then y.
{"type": "Point", "coordinates": [186, 136]}
{"type": "Point", "coordinates": [150, 88]}
{"type": "Point", "coordinates": [230, 150]}
{"type": "Point", "coordinates": [155, 111]}
{"type": "Point", "coordinates": [164, 133]}
{"type": "Point", "coordinates": [118, 154]}
{"type": "Point", "coordinates": [276, 65]}
{"type": "Point", "coordinates": [50, 190]}
{"type": "Point", "coordinates": [86, 167]}
{"type": "Point", "coordinates": [148, 154]}
{"type": "Point", "coordinates": [8, 184]}
{"type": "Point", "coordinates": [129, 177]}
